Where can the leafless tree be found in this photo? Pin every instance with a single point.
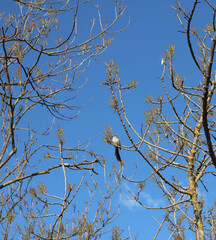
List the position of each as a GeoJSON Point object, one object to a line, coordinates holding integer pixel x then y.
{"type": "Point", "coordinates": [177, 138]}
{"type": "Point", "coordinates": [40, 73]}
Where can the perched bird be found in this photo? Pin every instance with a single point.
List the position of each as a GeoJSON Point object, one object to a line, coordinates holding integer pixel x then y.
{"type": "Point", "coordinates": [117, 144]}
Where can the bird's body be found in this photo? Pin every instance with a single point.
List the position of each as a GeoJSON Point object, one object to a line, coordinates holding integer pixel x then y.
{"type": "Point", "coordinates": [117, 145]}
{"type": "Point", "coordinates": [116, 141]}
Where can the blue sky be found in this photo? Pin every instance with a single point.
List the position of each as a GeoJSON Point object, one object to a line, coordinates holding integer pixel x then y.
{"type": "Point", "coordinates": [137, 51]}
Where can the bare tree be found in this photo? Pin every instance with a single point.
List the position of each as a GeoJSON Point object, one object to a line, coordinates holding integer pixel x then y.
{"type": "Point", "coordinates": [177, 139]}
{"type": "Point", "coordinates": [41, 71]}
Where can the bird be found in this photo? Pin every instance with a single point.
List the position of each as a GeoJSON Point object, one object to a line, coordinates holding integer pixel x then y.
{"type": "Point", "coordinates": [117, 144]}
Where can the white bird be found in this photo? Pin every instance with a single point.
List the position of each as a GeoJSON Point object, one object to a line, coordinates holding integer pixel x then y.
{"type": "Point", "coordinates": [117, 144]}
{"type": "Point", "coordinates": [162, 61]}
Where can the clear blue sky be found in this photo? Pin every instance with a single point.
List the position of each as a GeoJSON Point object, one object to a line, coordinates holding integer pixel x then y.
{"type": "Point", "coordinates": [137, 51]}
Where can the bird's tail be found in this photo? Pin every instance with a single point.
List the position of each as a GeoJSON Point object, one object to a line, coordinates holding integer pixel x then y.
{"type": "Point", "coordinates": [118, 157]}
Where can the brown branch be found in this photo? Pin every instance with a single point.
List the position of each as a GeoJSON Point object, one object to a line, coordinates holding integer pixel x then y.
{"type": "Point", "coordinates": [188, 36]}
{"type": "Point", "coordinates": [206, 103]}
